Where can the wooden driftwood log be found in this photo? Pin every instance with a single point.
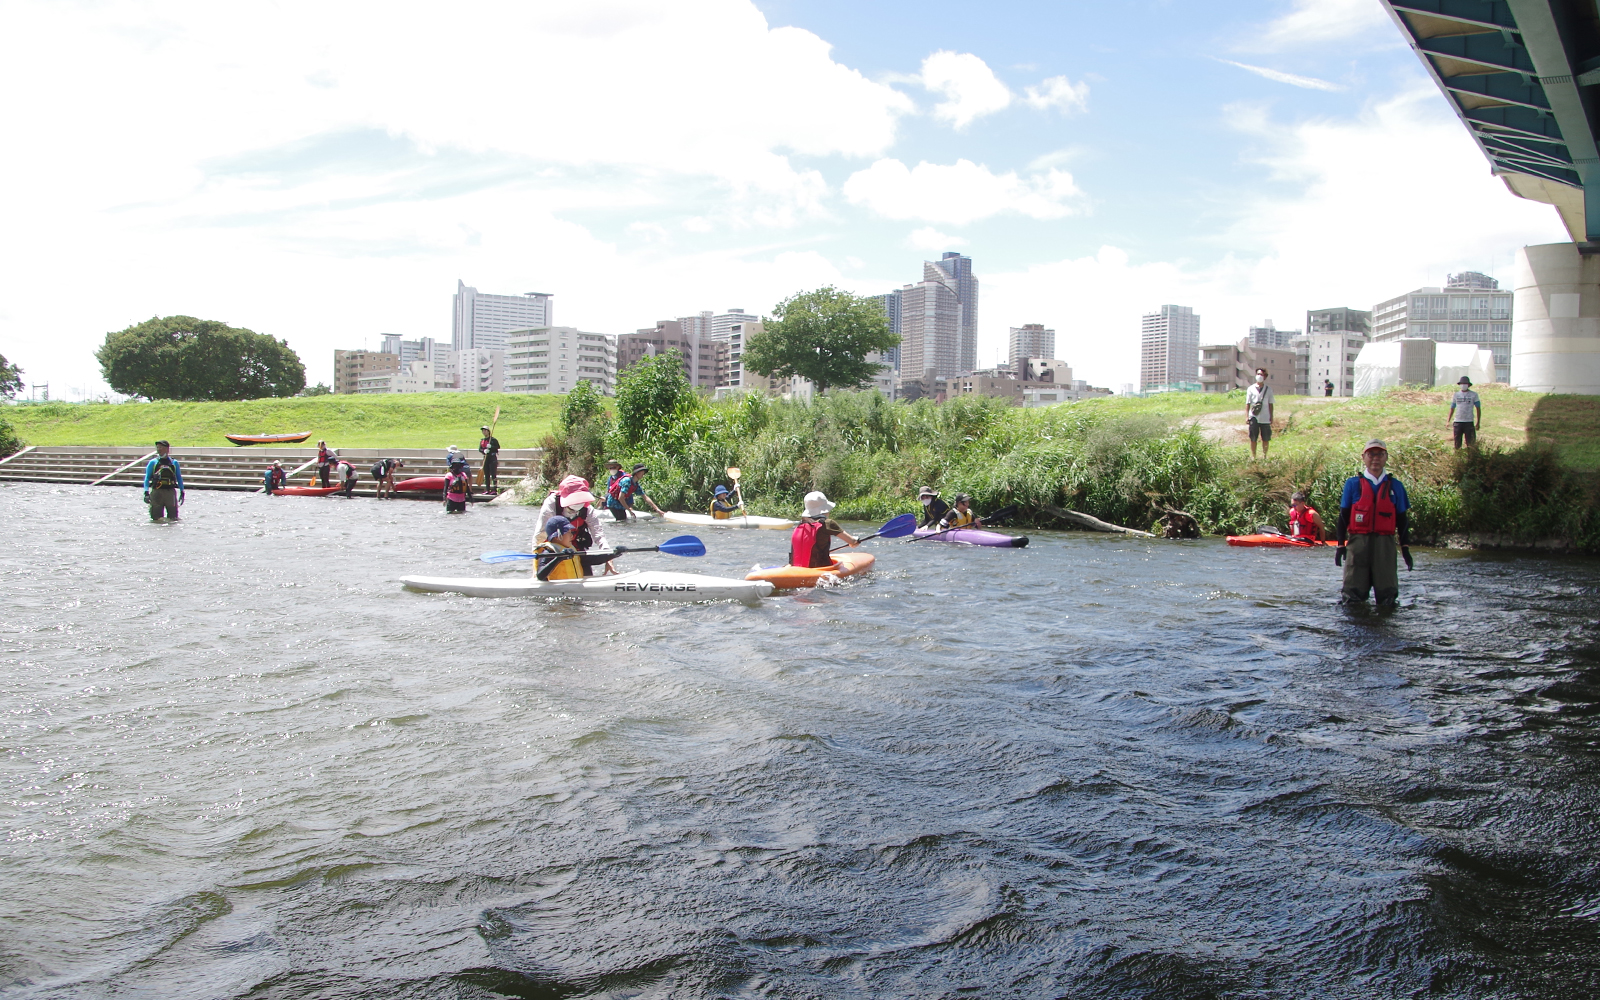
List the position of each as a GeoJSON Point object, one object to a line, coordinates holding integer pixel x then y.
{"type": "Point", "coordinates": [1092, 523]}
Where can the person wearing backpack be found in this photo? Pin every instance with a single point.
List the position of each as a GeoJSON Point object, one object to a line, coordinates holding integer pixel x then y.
{"type": "Point", "coordinates": [457, 489]}
{"type": "Point", "coordinates": [383, 472]}
{"type": "Point", "coordinates": [163, 484]}
{"type": "Point", "coordinates": [274, 478]}
{"type": "Point", "coordinates": [813, 536]}
{"type": "Point", "coordinates": [347, 475]}
{"type": "Point", "coordinates": [620, 494]}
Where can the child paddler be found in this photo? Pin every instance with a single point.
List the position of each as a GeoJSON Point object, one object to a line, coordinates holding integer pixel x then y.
{"type": "Point", "coordinates": [721, 508]}
{"type": "Point", "coordinates": [961, 515]}
{"type": "Point", "coordinates": [558, 557]}
{"type": "Point", "coordinates": [813, 536]}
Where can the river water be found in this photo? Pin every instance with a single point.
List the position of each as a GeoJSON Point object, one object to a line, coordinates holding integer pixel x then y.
{"type": "Point", "coordinates": [240, 761]}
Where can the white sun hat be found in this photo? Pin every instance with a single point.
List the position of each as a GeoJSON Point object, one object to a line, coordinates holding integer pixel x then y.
{"type": "Point", "coordinates": [817, 504]}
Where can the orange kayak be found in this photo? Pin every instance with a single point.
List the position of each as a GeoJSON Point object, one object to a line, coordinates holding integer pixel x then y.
{"type": "Point", "coordinates": [246, 439]}
{"type": "Point", "coordinates": [794, 577]}
{"type": "Point", "coordinates": [1275, 542]}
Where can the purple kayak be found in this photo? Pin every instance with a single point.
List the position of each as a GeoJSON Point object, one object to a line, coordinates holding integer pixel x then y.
{"type": "Point", "coordinates": [974, 536]}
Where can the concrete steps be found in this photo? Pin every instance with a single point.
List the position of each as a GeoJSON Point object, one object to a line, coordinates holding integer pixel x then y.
{"type": "Point", "coordinates": [239, 469]}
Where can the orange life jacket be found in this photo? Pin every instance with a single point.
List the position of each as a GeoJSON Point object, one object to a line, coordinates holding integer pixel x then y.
{"type": "Point", "coordinates": [1374, 513]}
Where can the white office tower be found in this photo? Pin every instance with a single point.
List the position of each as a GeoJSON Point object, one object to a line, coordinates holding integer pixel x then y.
{"type": "Point", "coordinates": [421, 349]}
{"type": "Point", "coordinates": [556, 358]}
{"type": "Point", "coordinates": [482, 321]}
{"type": "Point", "coordinates": [1169, 350]}
{"type": "Point", "coordinates": [1478, 312]}
{"type": "Point", "coordinates": [723, 323]}
{"type": "Point", "coordinates": [1031, 340]}
{"type": "Point", "coordinates": [1267, 335]}
{"type": "Point", "coordinates": [1556, 343]}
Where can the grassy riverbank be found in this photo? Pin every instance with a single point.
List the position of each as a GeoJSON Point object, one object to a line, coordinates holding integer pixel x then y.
{"type": "Point", "coordinates": [1126, 460]}
{"type": "Point", "coordinates": [403, 420]}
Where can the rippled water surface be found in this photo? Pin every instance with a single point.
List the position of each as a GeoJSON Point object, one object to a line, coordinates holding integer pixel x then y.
{"type": "Point", "coordinates": [240, 761]}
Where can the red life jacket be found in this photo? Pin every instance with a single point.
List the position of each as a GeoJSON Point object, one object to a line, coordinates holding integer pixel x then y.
{"type": "Point", "coordinates": [1303, 525]}
{"type": "Point", "coordinates": [1373, 514]}
{"type": "Point", "coordinates": [614, 487]}
{"type": "Point", "coordinates": [803, 545]}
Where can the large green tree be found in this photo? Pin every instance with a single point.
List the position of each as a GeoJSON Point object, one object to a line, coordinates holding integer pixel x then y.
{"type": "Point", "coordinates": [10, 379]}
{"type": "Point", "coordinates": [180, 357]}
{"type": "Point", "coordinates": [651, 394]}
{"type": "Point", "coordinates": [823, 336]}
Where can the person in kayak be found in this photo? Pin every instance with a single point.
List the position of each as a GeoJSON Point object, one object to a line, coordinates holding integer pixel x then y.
{"type": "Point", "coordinates": [620, 494]}
{"type": "Point", "coordinates": [489, 448]}
{"type": "Point", "coordinates": [163, 484]}
{"type": "Point", "coordinates": [721, 508]}
{"type": "Point", "coordinates": [1373, 512]}
{"type": "Point", "coordinates": [1304, 521]}
{"type": "Point", "coordinates": [274, 478]}
{"type": "Point", "coordinates": [457, 488]}
{"type": "Point", "coordinates": [324, 462]}
{"type": "Point", "coordinates": [383, 471]}
{"type": "Point", "coordinates": [933, 509]}
{"type": "Point", "coordinates": [961, 515]}
{"type": "Point", "coordinates": [559, 558]}
{"type": "Point", "coordinates": [573, 501]}
{"type": "Point", "coordinates": [813, 536]}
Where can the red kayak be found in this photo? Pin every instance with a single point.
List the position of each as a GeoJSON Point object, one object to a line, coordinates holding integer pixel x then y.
{"type": "Point", "coordinates": [435, 483]}
{"type": "Point", "coordinates": [1275, 542]}
{"type": "Point", "coordinates": [306, 491]}
{"type": "Point", "coordinates": [244, 439]}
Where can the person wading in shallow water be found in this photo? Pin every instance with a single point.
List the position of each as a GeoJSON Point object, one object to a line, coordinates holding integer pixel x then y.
{"type": "Point", "coordinates": [163, 484]}
{"type": "Point", "coordinates": [1372, 514]}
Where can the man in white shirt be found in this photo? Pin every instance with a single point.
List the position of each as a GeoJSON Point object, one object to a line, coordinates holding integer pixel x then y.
{"type": "Point", "coordinates": [1258, 413]}
{"type": "Point", "coordinates": [1464, 406]}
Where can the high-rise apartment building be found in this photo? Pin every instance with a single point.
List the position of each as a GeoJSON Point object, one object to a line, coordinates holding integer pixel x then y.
{"type": "Point", "coordinates": [668, 334]}
{"type": "Point", "coordinates": [939, 319]}
{"type": "Point", "coordinates": [722, 323]}
{"type": "Point", "coordinates": [556, 358]}
{"type": "Point", "coordinates": [1339, 319]}
{"type": "Point", "coordinates": [1474, 311]}
{"type": "Point", "coordinates": [1326, 352]}
{"type": "Point", "coordinates": [349, 367]}
{"type": "Point", "coordinates": [890, 301]}
{"type": "Point", "coordinates": [482, 321]}
{"type": "Point", "coordinates": [1169, 350]}
{"type": "Point", "coordinates": [1267, 335]}
{"type": "Point", "coordinates": [1031, 340]}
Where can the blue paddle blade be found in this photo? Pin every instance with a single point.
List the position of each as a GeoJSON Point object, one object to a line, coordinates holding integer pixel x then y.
{"type": "Point", "coordinates": [504, 556]}
{"type": "Point", "coordinates": [683, 545]}
{"type": "Point", "coordinates": [898, 527]}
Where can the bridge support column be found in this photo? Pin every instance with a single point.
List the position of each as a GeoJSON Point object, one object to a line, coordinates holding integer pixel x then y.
{"type": "Point", "coordinates": [1555, 320]}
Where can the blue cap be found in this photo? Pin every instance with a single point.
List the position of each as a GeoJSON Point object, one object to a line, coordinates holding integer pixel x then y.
{"type": "Point", "coordinates": [557, 525]}
{"type": "Point", "coordinates": [720, 490]}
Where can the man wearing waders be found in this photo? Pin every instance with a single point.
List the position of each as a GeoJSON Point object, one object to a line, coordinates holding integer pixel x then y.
{"type": "Point", "coordinates": [163, 484]}
{"type": "Point", "coordinates": [489, 447]}
{"type": "Point", "coordinates": [1372, 514]}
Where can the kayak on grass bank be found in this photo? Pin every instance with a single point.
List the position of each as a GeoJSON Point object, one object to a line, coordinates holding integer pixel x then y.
{"type": "Point", "coordinates": [248, 439]}
{"type": "Point", "coordinates": [1276, 542]}
{"type": "Point", "coordinates": [973, 536]}
{"type": "Point", "coordinates": [794, 577]}
{"type": "Point", "coordinates": [737, 521]}
{"type": "Point", "coordinates": [639, 585]}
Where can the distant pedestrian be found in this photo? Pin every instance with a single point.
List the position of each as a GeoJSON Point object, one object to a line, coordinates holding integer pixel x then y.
{"type": "Point", "coordinates": [1327, 387]}
{"type": "Point", "coordinates": [1466, 413]}
{"type": "Point", "coordinates": [1373, 512]}
{"type": "Point", "coordinates": [489, 448]}
{"type": "Point", "coordinates": [1258, 413]}
{"type": "Point", "coordinates": [325, 460]}
{"type": "Point", "coordinates": [163, 484]}
{"type": "Point", "coordinates": [383, 471]}
{"type": "Point", "coordinates": [274, 478]}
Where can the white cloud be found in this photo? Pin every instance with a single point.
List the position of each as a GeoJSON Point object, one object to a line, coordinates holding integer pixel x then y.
{"type": "Point", "coordinates": [1278, 76]}
{"type": "Point", "coordinates": [970, 88]}
{"type": "Point", "coordinates": [1318, 22]}
{"type": "Point", "coordinates": [959, 193]}
{"type": "Point", "coordinates": [1059, 92]}
{"type": "Point", "coordinates": [930, 239]}
{"type": "Point", "coordinates": [1333, 232]}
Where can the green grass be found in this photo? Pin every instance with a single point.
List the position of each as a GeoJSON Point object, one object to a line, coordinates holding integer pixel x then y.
{"type": "Point", "coordinates": [402, 420]}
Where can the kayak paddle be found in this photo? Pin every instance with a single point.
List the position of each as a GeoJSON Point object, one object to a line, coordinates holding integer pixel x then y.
{"type": "Point", "coordinates": [1267, 529]}
{"type": "Point", "coordinates": [683, 545]}
{"type": "Point", "coordinates": [896, 527]}
{"type": "Point", "coordinates": [734, 474]}
{"type": "Point", "coordinates": [1003, 514]}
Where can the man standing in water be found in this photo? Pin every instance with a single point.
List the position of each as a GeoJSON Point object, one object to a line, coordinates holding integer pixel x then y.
{"type": "Point", "coordinates": [1258, 413]}
{"type": "Point", "coordinates": [163, 484]}
{"type": "Point", "coordinates": [1372, 512]}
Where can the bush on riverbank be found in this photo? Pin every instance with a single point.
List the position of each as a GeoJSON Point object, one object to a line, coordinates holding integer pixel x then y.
{"type": "Point", "coordinates": [9, 442]}
{"type": "Point", "coordinates": [871, 456]}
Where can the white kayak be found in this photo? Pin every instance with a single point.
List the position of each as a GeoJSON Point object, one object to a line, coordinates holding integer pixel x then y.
{"type": "Point", "coordinates": [737, 521]}
{"type": "Point", "coordinates": [640, 585]}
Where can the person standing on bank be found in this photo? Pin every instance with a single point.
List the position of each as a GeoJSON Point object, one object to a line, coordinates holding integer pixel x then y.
{"type": "Point", "coordinates": [1258, 413]}
{"type": "Point", "coordinates": [1464, 407]}
{"type": "Point", "coordinates": [1373, 513]}
{"type": "Point", "coordinates": [1327, 387]}
{"type": "Point", "coordinates": [489, 448]}
{"type": "Point", "coordinates": [163, 484]}
{"type": "Point", "coordinates": [325, 460]}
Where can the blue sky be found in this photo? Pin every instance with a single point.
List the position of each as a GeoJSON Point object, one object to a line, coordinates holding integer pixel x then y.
{"type": "Point", "coordinates": [325, 172]}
